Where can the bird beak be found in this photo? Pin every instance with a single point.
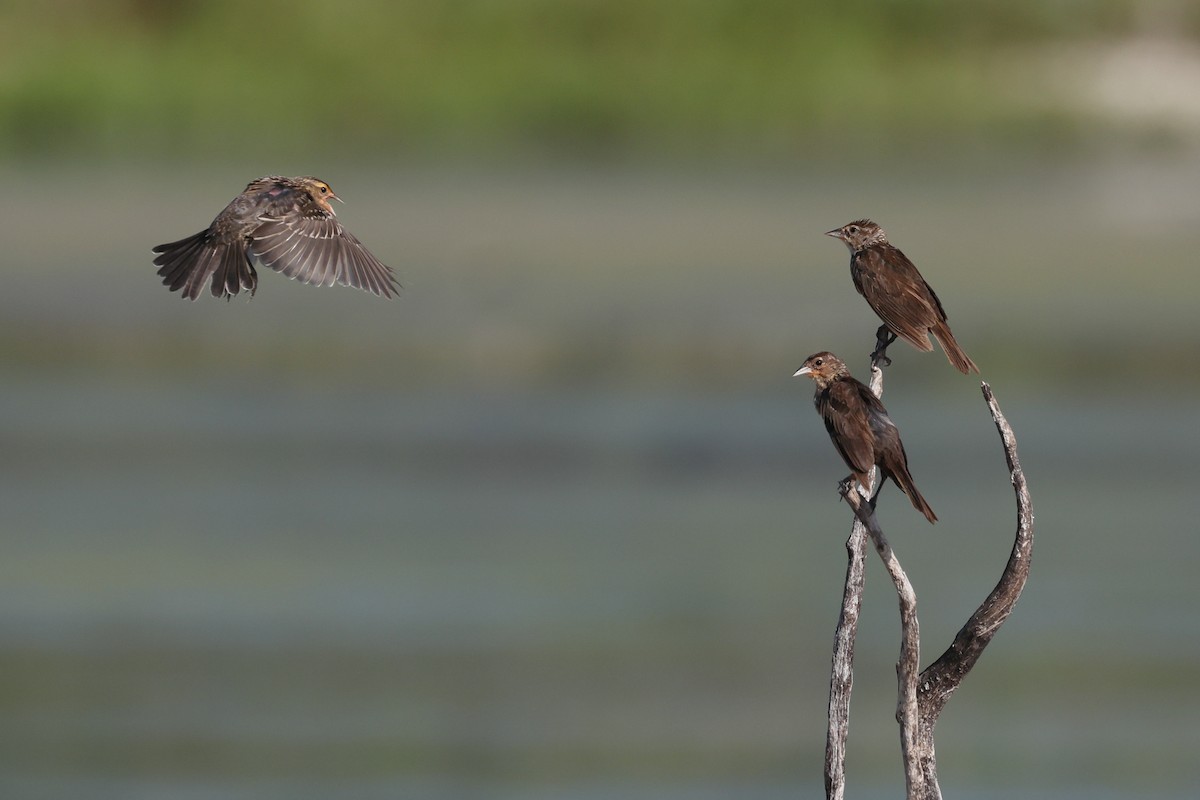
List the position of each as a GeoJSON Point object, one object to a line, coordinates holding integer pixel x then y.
{"type": "Point", "coordinates": [836, 233]}
{"type": "Point", "coordinates": [802, 371]}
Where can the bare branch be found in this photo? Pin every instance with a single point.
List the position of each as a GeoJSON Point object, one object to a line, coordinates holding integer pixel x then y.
{"type": "Point", "coordinates": [922, 697]}
{"type": "Point", "coordinates": [910, 648]}
{"type": "Point", "coordinates": [841, 681]}
{"type": "Point", "coordinates": [942, 677]}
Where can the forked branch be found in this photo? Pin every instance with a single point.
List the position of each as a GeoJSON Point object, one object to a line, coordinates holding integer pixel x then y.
{"type": "Point", "coordinates": [910, 646]}
{"type": "Point", "coordinates": [921, 697]}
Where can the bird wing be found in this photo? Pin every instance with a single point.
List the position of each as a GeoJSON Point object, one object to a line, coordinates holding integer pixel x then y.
{"type": "Point", "coordinates": [896, 291]}
{"type": "Point", "coordinates": [890, 455]}
{"type": "Point", "coordinates": [882, 427]}
{"type": "Point", "coordinates": [849, 426]}
{"type": "Point", "coordinates": [314, 248]}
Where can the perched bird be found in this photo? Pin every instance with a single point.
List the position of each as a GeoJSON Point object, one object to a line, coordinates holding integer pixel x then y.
{"type": "Point", "coordinates": [286, 224]}
{"type": "Point", "coordinates": [860, 428]}
{"type": "Point", "coordinates": [896, 292]}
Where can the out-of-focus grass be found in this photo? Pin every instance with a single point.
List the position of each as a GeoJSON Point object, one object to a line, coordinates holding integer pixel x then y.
{"type": "Point", "coordinates": [481, 75]}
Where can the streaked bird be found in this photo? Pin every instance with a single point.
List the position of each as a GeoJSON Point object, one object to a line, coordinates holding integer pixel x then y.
{"type": "Point", "coordinates": [860, 428]}
{"type": "Point", "coordinates": [896, 292]}
{"type": "Point", "coordinates": [286, 224]}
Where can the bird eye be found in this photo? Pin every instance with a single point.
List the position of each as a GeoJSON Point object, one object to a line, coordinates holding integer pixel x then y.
{"type": "Point", "coordinates": [853, 229]}
{"type": "Point", "coordinates": [324, 189]}
{"type": "Point", "coordinates": [818, 362]}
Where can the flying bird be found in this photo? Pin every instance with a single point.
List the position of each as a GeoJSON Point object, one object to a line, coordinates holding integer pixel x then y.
{"type": "Point", "coordinates": [860, 428]}
{"type": "Point", "coordinates": [896, 292]}
{"type": "Point", "coordinates": [286, 224]}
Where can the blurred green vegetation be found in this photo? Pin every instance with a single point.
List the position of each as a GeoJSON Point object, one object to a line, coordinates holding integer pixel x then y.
{"type": "Point", "coordinates": [169, 77]}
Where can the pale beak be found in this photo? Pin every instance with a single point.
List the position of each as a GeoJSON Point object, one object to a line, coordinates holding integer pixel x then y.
{"type": "Point", "coordinates": [836, 233]}
{"type": "Point", "coordinates": [802, 371]}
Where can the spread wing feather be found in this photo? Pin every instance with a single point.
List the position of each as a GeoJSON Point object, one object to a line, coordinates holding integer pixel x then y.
{"type": "Point", "coordinates": [316, 249]}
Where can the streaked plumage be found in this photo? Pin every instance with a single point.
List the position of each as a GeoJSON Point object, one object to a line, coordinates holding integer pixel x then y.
{"type": "Point", "coordinates": [285, 224]}
{"type": "Point", "coordinates": [896, 292]}
{"type": "Point", "coordinates": [860, 427]}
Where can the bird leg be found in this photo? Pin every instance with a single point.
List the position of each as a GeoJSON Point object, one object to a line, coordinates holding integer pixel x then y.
{"type": "Point", "coordinates": [846, 485]}
{"type": "Point", "coordinates": [847, 489]}
{"type": "Point", "coordinates": [878, 491]}
{"type": "Point", "coordinates": [883, 338]}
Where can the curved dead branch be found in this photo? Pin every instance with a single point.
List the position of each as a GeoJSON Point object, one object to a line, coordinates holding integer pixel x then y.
{"type": "Point", "coordinates": [939, 680]}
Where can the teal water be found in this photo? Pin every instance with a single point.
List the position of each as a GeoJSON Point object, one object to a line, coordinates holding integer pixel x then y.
{"type": "Point", "coordinates": [558, 523]}
{"type": "Point", "coordinates": [377, 593]}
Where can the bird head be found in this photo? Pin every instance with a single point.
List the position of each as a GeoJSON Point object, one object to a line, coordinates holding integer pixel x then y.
{"type": "Point", "coordinates": [859, 235]}
{"type": "Point", "coordinates": [320, 191]}
{"type": "Point", "coordinates": [824, 368]}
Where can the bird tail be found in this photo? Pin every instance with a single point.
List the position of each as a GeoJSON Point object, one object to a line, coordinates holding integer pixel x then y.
{"type": "Point", "coordinates": [961, 361]}
{"type": "Point", "coordinates": [234, 273]}
{"type": "Point", "coordinates": [187, 265]}
{"type": "Point", "coordinates": [905, 482]}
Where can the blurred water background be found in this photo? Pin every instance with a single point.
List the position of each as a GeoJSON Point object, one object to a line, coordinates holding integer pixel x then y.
{"type": "Point", "coordinates": [558, 523]}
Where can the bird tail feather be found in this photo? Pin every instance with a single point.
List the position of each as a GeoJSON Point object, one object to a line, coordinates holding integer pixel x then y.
{"type": "Point", "coordinates": [186, 264]}
{"type": "Point", "coordinates": [905, 482]}
{"type": "Point", "coordinates": [233, 273]}
{"type": "Point", "coordinates": [961, 361]}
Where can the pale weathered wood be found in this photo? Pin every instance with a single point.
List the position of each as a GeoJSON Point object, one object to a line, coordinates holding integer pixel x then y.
{"type": "Point", "coordinates": [841, 681]}
{"type": "Point", "coordinates": [910, 647]}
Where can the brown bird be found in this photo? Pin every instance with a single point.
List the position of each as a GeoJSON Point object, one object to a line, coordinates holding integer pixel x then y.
{"type": "Point", "coordinates": [860, 428]}
{"type": "Point", "coordinates": [286, 224]}
{"type": "Point", "coordinates": [896, 292]}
